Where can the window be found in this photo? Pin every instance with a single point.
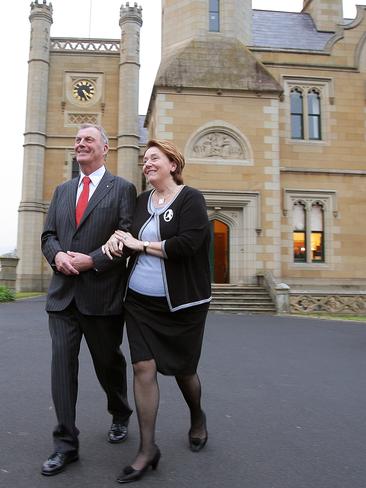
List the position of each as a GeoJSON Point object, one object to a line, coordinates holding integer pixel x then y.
{"type": "Point", "coordinates": [305, 118]}
{"type": "Point", "coordinates": [306, 112]}
{"type": "Point", "coordinates": [214, 15]}
{"type": "Point", "coordinates": [317, 234]}
{"type": "Point", "coordinates": [308, 232]}
{"type": "Point", "coordinates": [310, 226]}
{"type": "Point", "coordinates": [314, 115]}
{"type": "Point", "coordinates": [307, 108]}
{"type": "Point", "coordinates": [297, 114]}
{"type": "Point", "coordinates": [299, 232]}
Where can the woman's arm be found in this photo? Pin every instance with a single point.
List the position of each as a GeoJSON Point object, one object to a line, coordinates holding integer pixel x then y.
{"type": "Point", "coordinates": [193, 227]}
{"type": "Point", "coordinates": [153, 248]}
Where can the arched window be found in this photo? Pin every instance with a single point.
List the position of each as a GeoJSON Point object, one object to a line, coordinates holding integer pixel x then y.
{"type": "Point", "coordinates": [308, 232]}
{"type": "Point", "coordinates": [306, 102]}
{"type": "Point", "coordinates": [314, 126]}
{"type": "Point", "coordinates": [317, 233]}
{"type": "Point", "coordinates": [297, 114]}
{"type": "Point", "coordinates": [299, 232]}
{"type": "Point", "coordinates": [214, 16]}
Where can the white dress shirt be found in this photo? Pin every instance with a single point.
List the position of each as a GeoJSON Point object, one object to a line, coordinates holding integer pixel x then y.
{"type": "Point", "coordinates": [95, 180]}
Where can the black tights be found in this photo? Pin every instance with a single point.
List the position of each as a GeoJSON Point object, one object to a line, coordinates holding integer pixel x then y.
{"type": "Point", "coordinates": [147, 395]}
{"type": "Point", "coordinates": [190, 386]}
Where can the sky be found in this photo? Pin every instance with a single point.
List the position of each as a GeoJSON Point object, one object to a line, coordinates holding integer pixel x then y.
{"type": "Point", "coordinates": [73, 18]}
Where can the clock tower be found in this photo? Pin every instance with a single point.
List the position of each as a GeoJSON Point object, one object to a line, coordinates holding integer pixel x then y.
{"type": "Point", "coordinates": [73, 81]}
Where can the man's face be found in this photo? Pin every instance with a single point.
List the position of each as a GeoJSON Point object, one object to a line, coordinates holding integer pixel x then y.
{"type": "Point", "coordinates": [90, 149]}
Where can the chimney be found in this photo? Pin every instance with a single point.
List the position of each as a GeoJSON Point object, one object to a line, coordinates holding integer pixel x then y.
{"type": "Point", "coordinates": [326, 14]}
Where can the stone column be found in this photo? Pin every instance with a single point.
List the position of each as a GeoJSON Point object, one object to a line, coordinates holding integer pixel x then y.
{"type": "Point", "coordinates": [128, 129]}
{"type": "Point", "coordinates": [32, 209]}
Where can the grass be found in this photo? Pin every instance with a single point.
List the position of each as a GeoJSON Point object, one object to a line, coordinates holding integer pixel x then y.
{"type": "Point", "coordinates": [27, 294]}
{"type": "Point", "coordinates": [6, 295]}
{"type": "Point", "coordinates": [333, 316]}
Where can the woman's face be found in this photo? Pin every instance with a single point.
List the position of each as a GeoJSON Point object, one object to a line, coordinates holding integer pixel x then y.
{"type": "Point", "coordinates": [157, 166]}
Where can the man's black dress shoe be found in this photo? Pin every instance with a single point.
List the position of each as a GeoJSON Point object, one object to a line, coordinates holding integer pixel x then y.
{"type": "Point", "coordinates": [117, 433]}
{"type": "Point", "coordinates": [58, 461]}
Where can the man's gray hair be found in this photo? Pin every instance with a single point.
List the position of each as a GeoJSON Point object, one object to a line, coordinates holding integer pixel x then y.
{"type": "Point", "coordinates": [100, 129]}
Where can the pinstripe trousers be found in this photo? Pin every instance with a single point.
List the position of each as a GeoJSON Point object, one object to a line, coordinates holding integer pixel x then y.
{"type": "Point", "coordinates": [103, 335]}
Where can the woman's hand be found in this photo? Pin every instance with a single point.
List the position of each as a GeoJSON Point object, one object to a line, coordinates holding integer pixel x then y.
{"type": "Point", "coordinates": [129, 241]}
{"type": "Point", "coordinates": [113, 247]}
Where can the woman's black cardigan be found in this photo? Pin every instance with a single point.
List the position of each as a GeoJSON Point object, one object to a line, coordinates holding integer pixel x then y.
{"type": "Point", "coordinates": [185, 228]}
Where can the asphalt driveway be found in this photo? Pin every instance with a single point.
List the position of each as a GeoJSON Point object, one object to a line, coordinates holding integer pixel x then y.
{"type": "Point", "coordinates": [285, 401]}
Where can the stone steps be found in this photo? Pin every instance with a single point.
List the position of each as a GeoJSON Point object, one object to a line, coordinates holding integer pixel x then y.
{"type": "Point", "coordinates": [241, 298]}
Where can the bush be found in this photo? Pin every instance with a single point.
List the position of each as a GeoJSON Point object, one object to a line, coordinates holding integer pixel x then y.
{"type": "Point", "coordinates": [6, 295]}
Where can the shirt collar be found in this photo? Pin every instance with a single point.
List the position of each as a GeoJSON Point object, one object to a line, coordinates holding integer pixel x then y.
{"type": "Point", "coordinates": [95, 177]}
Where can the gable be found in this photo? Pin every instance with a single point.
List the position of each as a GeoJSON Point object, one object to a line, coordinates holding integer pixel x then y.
{"type": "Point", "coordinates": [215, 63]}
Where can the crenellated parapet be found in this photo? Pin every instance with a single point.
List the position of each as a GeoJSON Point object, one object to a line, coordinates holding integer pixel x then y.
{"type": "Point", "coordinates": [95, 46]}
{"type": "Point", "coordinates": [130, 14]}
{"type": "Point", "coordinates": [41, 10]}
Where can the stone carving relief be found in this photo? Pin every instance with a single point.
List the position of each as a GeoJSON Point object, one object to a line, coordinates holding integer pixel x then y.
{"type": "Point", "coordinates": [78, 119]}
{"type": "Point", "coordinates": [328, 303]}
{"type": "Point", "coordinates": [218, 145]}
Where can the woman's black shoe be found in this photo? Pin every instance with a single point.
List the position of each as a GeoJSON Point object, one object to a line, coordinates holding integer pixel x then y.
{"type": "Point", "coordinates": [198, 443]}
{"type": "Point", "coordinates": [130, 474]}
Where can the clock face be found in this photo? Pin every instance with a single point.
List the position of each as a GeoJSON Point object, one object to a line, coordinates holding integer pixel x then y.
{"type": "Point", "coordinates": [83, 90]}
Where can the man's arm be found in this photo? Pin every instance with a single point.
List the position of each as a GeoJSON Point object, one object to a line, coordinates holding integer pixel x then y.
{"type": "Point", "coordinates": [126, 210]}
{"type": "Point", "coordinates": [51, 247]}
{"type": "Point", "coordinates": [49, 240]}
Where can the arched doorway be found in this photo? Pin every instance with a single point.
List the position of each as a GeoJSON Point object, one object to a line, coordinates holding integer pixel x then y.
{"type": "Point", "coordinates": [219, 252]}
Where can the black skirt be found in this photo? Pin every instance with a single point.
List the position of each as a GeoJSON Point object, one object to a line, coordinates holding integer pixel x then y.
{"type": "Point", "coordinates": [172, 339]}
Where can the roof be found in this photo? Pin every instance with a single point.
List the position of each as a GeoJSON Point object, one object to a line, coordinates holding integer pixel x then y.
{"type": "Point", "coordinates": [287, 30]}
{"type": "Point", "coordinates": [215, 63]}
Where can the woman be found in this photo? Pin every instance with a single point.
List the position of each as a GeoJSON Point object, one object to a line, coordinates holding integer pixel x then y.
{"type": "Point", "coordinates": [167, 298]}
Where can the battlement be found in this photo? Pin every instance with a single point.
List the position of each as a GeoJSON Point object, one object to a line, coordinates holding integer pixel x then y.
{"type": "Point", "coordinates": [43, 6]}
{"type": "Point", "coordinates": [94, 46]}
{"type": "Point", "coordinates": [132, 14]}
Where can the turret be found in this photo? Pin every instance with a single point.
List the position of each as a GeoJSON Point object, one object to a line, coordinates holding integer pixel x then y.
{"type": "Point", "coordinates": [128, 129]}
{"type": "Point", "coordinates": [32, 209]}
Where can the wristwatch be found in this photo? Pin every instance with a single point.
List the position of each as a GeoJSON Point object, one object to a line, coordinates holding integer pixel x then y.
{"type": "Point", "coordinates": [146, 244]}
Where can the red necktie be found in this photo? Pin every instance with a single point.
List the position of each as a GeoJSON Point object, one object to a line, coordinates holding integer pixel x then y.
{"type": "Point", "coordinates": [83, 200]}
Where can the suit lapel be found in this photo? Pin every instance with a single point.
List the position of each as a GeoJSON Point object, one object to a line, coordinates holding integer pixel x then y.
{"type": "Point", "coordinates": [71, 201]}
{"type": "Point", "coordinates": [101, 191]}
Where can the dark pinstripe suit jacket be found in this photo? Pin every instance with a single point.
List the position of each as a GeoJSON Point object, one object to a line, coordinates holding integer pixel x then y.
{"type": "Point", "coordinates": [97, 291]}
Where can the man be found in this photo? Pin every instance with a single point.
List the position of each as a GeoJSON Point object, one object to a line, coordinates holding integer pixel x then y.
{"type": "Point", "coordinates": [85, 294]}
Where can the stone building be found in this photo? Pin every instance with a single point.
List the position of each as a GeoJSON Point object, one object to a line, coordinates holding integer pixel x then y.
{"type": "Point", "coordinates": [269, 110]}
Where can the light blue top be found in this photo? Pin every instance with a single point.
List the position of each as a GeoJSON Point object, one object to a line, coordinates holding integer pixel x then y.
{"type": "Point", "coordinates": [147, 275]}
